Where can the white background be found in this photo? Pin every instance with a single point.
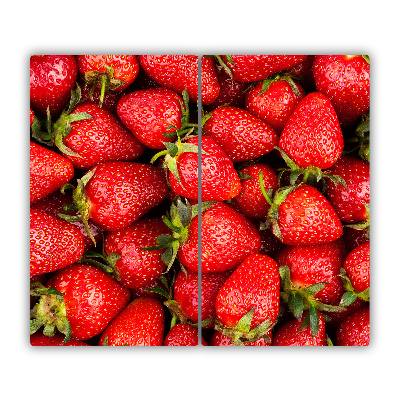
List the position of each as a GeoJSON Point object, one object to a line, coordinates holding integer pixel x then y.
{"type": "Point", "coordinates": [202, 27]}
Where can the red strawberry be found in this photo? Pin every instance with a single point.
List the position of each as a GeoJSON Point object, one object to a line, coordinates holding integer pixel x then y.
{"type": "Point", "coordinates": [241, 135]}
{"type": "Point", "coordinates": [109, 72]}
{"type": "Point", "coordinates": [115, 194]}
{"type": "Point", "coordinates": [38, 339]}
{"type": "Point", "coordinates": [231, 92]}
{"type": "Point", "coordinates": [152, 115]}
{"type": "Point", "coordinates": [186, 293]}
{"type": "Point", "coordinates": [274, 101]}
{"type": "Point", "coordinates": [183, 335]}
{"type": "Point", "coordinates": [219, 180]}
{"type": "Point", "coordinates": [344, 79]}
{"type": "Point", "coordinates": [301, 215]}
{"type": "Point", "coordinates": [312, 136]}
{"type": "Point", "coordinates": [309, 266]}
{"type": "Point", "coordinates": [79, 300]}
{"type": "Point", "coordinates": [354, 330]}
{"type": "Point", "coordinates": [179, 72]}
{"type": "Point", "coordinates": [54, 204]}
{"type": "Point", "coordinates": [351, 202]}
{"type": "Point", "coordinates": [356, 267]}
{"type": "Point", "coordinates": [136, 267]}
{"type": "Point", "coordinates": [227, 239]}
{"type": "Point", "coordinates": [292, 334]}
{"type": "Point", "coordinates": [52, 77]}
{"type": "Point", "coordinates": [48, 172]}
{"type": "Point", "coordinates": [252, 293]}
{"type": "Point", "coordinates": [141, 323]}
{"type": "Point", "coordinates": [219, 339]}
{"type": "Point", "coordinates": [253, 68]}
{"type": "Point", "coordinates": [251, 202]}
{"type": "Point", "coordinates": [100, 138]}
{"type": "Point", "coordinates": [54, 243]}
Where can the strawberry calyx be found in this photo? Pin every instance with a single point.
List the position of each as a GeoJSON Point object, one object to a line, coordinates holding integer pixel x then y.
{"type": "Point", "coordinates": [242, 332]}
{"type": "Point", "coordinates": [104, 79]}
{"type": "Point", "coordinates": [55, 133]}
{"type": "Point", "coordinates": [177, 219]}
{"type": "Point", "coordinates": [301, 299]}
{"type": "Point", "coordinates": [49, 312]}
{"type": "Point", "coordinates": [222, 64]}
{"type": "Point", "coordinates": [266, 83]}
{"type": "Point", "coordinates": [81, 204]}
{"type": "Point", "coordinates": [351, 294]}
{"type": "Point", "coordinates": [105, 262]}
{"type": "Point", "coordinates": [310, 175]}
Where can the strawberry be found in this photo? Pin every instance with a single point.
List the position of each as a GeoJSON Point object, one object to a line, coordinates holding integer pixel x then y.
{"type": "Point", "coordinates": [186, 294]}
{"type": "Point", "coordinates": [227, 239]}
{"type": "Point", "coordinates": [253, 68]}
{"type": "Point", "coordinates": [54, 243]}
{"type": "Point", "coordinates": [108, 72]}
{"type": "Point", "coordinates": [312, 136]}
{"type": "Point", "coordinates": [141, 323]}
{"type": "Point", "coordinates": [183, 335]}
{"type": "Point", "coordinates": [152, 115]}
{"type": "Point", "coordinates": [351, 203]}
{"type": "Point", "coordinates": [136, 267]}
{"type": "Point", "coordinates": [354, 330]}
{"type": "Point", "coordinates": [247, 304]}
{"type": "Point", "coordinates": [79, 300]}
{"type": "Point", "coordinates": [310, 277]}
{"type": "Point", "coordinates": [274, 100]}
{"type": "Point", "coordinates": [100, 138]}
{"type": "Point", "coordinates": [58, 203]}
{"type": "Point", "coordinates": [241, 135]}
{"type": "Point", "coordinates": [179, 72]}
{"type": "Point", "coordinates": [52, 77]}
{"type": "Point", "coordinates": [356, 274]}
{"type": "Point", "coordinates": [31, 117]}
{"type": "Point", "coordinates": [219, 180]}
{"type": "Point", "coordinates": [39, 339]}
{"type": "Point", "coordinates": [219, 339]}
{"type": "Point", "coordinates": [115, 194]}
{"type": "Point", "coordinates": [185, 301]}
{"type": "Point", "coordinates": [231, 92]}
{"type": "Point", "coordinates": [293, 333]}
{"type": "Point", "coordinates": [344, 79]}
{"type": "Point", "coordinates": [301, 215]}
{"type": "Point", "coordinates": [48, 172]}
{"type": "Point", "coordinates": [251, 202]}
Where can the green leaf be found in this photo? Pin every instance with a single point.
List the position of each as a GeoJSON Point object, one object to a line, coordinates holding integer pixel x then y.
{"type": "Point", "coordinates": [159, 291]}
{"type": "Point", "coordinates": [348, 298]}
{"type": "Point", "coordinates": [184, 213]}
{"type": "Point", "coordinates": [296, 304]}
{"type": "Point", "coordinates": [245, 322]}
{"type": "Point", "coordinates": [172, 148]}
{"type": "Point", "coordinates": [165, 240]}
{"type": "Point", "coordinates": [315, 288]}
{"type": "Point", "coordinates": [314, 321]}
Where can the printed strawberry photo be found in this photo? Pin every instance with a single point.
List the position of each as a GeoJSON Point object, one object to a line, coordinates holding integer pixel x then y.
{"type": "Point", "coordinates": [296, 128]}
{"type": "Point", "coordinates": [112, 198]}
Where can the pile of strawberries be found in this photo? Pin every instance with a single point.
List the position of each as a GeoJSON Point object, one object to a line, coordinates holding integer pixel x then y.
{"type": "Point", "coordinates": [118, 200]}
